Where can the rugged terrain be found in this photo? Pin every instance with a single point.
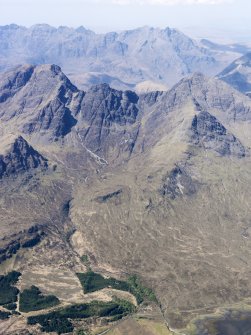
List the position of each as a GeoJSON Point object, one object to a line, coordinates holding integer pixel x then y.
{"type": "Point", "coordinates": [155, 185]}
{"type": "Point", "coordinates": [123, 60]}
{"type": "Point", "coordinates": [238, 74]}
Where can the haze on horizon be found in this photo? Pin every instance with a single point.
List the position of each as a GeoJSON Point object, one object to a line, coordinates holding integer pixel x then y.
{"type": "Point", "coordinates": [216, 19]}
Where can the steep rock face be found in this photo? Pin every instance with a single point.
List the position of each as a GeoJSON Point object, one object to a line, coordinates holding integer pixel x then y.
{"type": "Point", "coordinates": [151, 98]}
{"type": "Point", "coordinates": [47, 104]}
{"type": "Point", "coordinates": [20, 157]}
{"type": "Point", "coordinates": [55, 117]}
{"type": "Point", "coordinates": [41, 102]}
{"type": "Point", "coordinates": [114, 106]}
{"type": "Point", "coordinates": [167, 54]}
{"type": "Point", "coordinates": [12, 81]}
{"type": "Point", "coordinates": [211, 95]}
{"type": "Point", "coordinates": [238, 74]}
{"type": "Point", "coordinates": [132, 186]}
{"type": "Point", "coordinates": [220, 99]}
{"type": "Point", "coordinates": [171, 114]}
{"type": "Point", "coordinates": [107, 119]}
{"type": "Point", "coordinates": [209, 133]}
{"type": "Point", "coordinates": [123, 121]}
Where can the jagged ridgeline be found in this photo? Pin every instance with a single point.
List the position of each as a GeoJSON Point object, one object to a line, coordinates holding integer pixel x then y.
{"type": "Point", "coordinates": [145, 58]}
{"type": "Point", "coordinates": [100, 186]}
{"type": "Point", "coordinates": [238, 74]}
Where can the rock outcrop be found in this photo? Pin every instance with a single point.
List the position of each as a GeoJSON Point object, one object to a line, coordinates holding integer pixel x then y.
{"type": "Point", "coordinates": [40, 97]}
{"type": "Point", "coordinates": [209, 133]}
{"type": "Point", "coordinates": [155, 184]}
{"type": "Point", "coordinates": [20, 157]}
{"type": "Point", "coordinates": [178, 183]}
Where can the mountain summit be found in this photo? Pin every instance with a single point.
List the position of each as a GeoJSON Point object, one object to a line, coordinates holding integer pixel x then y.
{"type": "Point", "coordinates": [19, 157]}
{"type": "Point", "coordinates": [125, 59]}
{"type": "Point", "coordinates": [154, 186]}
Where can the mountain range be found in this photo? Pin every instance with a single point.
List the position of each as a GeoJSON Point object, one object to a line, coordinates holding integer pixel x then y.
{"type": "Point", "coordinates": [155, 185]}
{"type": "Point", "coordinates": [238, 74]}
{"type": "Point", "coordinates": [124, 59]}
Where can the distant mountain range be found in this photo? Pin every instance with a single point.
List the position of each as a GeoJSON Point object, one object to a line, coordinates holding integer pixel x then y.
{"type": "Point", "coordinates": [129, 161]}
{"type": "Point", "coordinates": [238, 74]}
{"type": "Point", "coordinates": [123, 60]}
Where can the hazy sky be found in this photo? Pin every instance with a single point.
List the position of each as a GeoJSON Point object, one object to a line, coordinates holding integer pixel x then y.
{"type": "Point", "coordinates": [105, 15]}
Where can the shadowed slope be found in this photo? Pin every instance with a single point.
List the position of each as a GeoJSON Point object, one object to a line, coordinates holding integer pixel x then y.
{"type": "Point", "coordinates": [156, 185]}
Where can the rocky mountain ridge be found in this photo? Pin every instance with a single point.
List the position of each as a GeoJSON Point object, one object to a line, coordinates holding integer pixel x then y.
{"type": "Point", "coordinates": [143, 184]}
{"type": "Point", "coordinates": [20, 157]}
{"type": "Point", "coordinates": [89, 58]}
{"type": "Point", "coordinates": [238, 74]}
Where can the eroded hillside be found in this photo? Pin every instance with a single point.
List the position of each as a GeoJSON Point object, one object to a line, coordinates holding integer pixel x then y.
{"type": "Point", "coordinates": [155, 186]}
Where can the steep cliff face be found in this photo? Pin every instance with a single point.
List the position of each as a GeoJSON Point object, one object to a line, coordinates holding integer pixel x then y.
{"type": "Point", "coordinates": [13, 81]}
{"type": "Point", "coordinates": [154, 184]}
{"type": "Point", "coordinates": [210, 95]}
{"type": "Point", "coordinates": [209, 133]}
{"type": "Point", "coordinates": [39, 98]}
{"type": "Point", "coordinates": [20, 157]}
{"type": "Point", "coordinates": [107, 120]}
{"type": "Point", "coordinates": [43, 103]}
